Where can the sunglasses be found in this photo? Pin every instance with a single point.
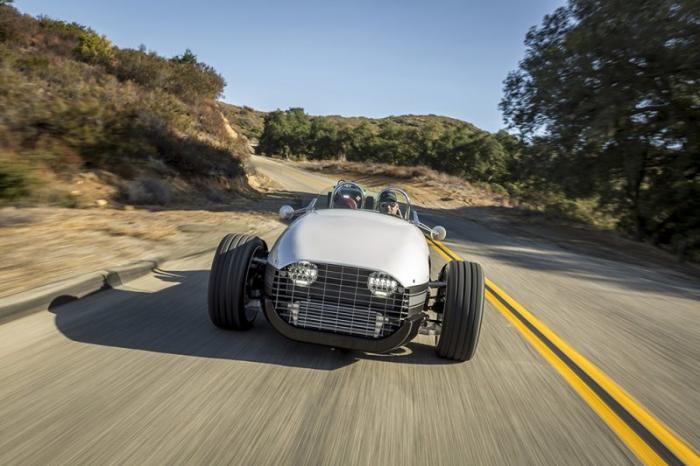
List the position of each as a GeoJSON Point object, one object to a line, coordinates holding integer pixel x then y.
{"type": "Point", "coordinates": [389, 204]}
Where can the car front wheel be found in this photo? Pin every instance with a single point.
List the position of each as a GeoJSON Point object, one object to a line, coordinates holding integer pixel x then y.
{"type": "Point", "coordinates": [462, 309]}
{"type": "Point", "coordinates": [235, 280]}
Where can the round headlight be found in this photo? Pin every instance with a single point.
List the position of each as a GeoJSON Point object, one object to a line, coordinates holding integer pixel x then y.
{"type": "Point", "coordinates": [302, 273]}
{"type": "Point", "coordinates": [381, 284]}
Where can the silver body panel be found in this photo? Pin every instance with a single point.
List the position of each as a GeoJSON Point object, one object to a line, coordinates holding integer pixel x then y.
{"type": "Point", "coordinates": [358, 238]}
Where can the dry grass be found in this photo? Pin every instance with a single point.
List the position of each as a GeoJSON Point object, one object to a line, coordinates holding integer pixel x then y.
{"type": "Point", "coordinates": [43, 245]}
{"type": "Point", "coordinates": [145, 123]}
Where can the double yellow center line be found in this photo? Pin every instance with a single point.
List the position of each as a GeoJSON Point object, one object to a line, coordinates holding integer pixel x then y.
{"type": "Point", "coordinates": [647, 437]}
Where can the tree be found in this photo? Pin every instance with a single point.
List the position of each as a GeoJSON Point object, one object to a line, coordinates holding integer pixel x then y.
{"type": "Point", "coordinates": [611, 89]}
{"type": "Point", "coordinates": [274, 131]}
{"type": "Point", "coordinates": [187, 58]}
{"type": "Point", "coordinates": [325, 139]}
{"type": "Point", "coordinates": [286, 133]}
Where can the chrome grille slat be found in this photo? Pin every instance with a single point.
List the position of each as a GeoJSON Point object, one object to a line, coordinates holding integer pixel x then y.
{"type": "Point", "coordinates": [339, 302]}
{"type": "Point", "coordinates": [311, 316]}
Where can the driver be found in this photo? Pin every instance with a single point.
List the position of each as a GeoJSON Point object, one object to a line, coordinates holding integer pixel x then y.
{"type": "Point", "coordinates": [388, 204]}
{"type": "Point", "coordinates": [347, 197]}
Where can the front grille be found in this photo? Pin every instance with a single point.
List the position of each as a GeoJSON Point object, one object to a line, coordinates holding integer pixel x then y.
{"type": "Point", "coordinates": [339, 302]}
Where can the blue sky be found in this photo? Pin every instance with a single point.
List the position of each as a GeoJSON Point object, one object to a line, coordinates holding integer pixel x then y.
{"type": "Point", "coordinates": [371, 58]}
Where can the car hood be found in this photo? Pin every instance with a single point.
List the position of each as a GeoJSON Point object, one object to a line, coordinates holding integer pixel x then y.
{"type": "Point", "coordinates": [357, 238]}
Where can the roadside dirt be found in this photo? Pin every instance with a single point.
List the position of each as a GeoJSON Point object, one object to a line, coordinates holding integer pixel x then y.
{"type": "Point", "coordinates": [430, 188]}
{"type": "Point", "coordinates": [41, 245]}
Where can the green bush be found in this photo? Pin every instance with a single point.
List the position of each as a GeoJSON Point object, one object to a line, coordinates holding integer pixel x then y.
{"type": "Point", "coordinates": [93, 48]}
{"type": "Point", "coordinates": [12, 23]}
{"type": "Point", "coordinates": [15, 181]}
{"type": "Point", "coordinates": [68, 30]}
{"type": "Point", "coordinates": [189, 81]}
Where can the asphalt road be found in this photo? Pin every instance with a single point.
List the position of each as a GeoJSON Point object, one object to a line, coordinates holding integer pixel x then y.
{"type": "Point", "coordinates": [138, 375]}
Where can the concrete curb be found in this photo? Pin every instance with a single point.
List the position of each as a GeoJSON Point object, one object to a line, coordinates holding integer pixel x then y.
{"type": "Point", "coordinates": [20, 304]}
{"type": "Point", "coordinates": [38, 299]}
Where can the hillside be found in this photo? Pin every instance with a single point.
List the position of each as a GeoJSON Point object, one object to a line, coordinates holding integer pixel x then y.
{"type": "Point", "coordinates": [83, 119]}
{"type": "Point", "coordinates": [245, 120]}
{"type": "Point", "coordinates": [251, 122]}
{"type": "Point", "coordinates": [441, 143]}
{"type": "Point", "coordinates": [409, 121]}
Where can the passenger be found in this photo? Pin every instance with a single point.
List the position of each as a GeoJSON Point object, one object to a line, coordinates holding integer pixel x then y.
{"type": "Point", "coordinates": [388, 204]}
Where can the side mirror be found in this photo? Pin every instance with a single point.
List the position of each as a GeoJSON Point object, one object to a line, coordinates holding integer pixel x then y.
{"type": "Point", "coordinates": [439, 233]}
{"type": "Point", "coordinates": [286, 212]}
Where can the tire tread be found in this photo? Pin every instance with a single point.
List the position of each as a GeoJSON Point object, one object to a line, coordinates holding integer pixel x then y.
{"type": "Point", "coordinates": [226, 293]}
{"type": "Point", "coordinates": [463, 310]}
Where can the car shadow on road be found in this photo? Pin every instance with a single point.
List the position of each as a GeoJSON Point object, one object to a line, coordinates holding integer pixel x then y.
{"type": "Point", "coordinates": [174, 320]}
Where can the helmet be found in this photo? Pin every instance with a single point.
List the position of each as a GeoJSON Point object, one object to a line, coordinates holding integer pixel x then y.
{"type": "Point", "coordinates": [347, 196]}
{"type": "Point", "coordinates": [387, 196]}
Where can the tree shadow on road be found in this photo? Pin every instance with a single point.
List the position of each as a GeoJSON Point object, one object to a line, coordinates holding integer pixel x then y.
{"type": "Point", "coordinates": [578, 257]}
{"type": "Point", "coordinates": [174, 320]}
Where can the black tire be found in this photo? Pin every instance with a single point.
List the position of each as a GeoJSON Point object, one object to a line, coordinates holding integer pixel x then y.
{"type": "Point", "coordinates": [232, 278]}
{"type": "Point", "coordinates": [462, 311]}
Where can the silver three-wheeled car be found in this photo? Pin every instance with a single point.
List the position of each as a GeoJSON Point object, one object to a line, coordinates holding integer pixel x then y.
{"type": "Point", "coordinates": [352, 270]}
